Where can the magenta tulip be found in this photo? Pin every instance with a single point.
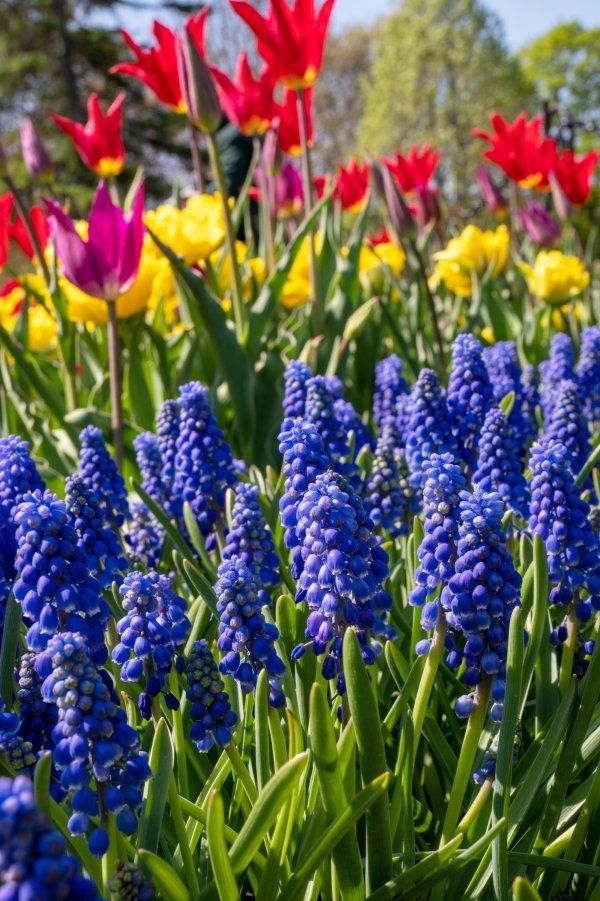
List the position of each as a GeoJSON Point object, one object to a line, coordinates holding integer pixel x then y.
{"type": "Point", "coordinates": [539, 225]}
{"type": "Point", "coordinates": [35, 156]}
{"type": "Point", "coordinates": [491, 193]}
{"type": "Point", "coordinates": [107, 264]}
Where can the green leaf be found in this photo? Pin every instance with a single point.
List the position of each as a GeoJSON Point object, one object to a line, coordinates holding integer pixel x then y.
{"type": "Point", "coordinates": [371, 755]}
{"type": "Point", "coordinates": [362, 803]}
{"type": "Point", "coordinates": [261, 730]}
{"type": "Point", "coordinates": [167, 881]}
{"type": "Point", "coordinates": [8, 650]}
{"type": "Point", "coordinates": [540, 607]}
{"type": "Point", "coordinates": [217, 849]}
{"type": "Point", "coordinates": [524, 891]}
{"type": "Point", "coordinates": [41, 781]}
{"type": "Point", "coordinates": [587, 467]}
{"type": "Point", "coordinates": [141, 401]}
{"type": "Point", "coordinates": [157, 788]}
{"type": "Point", "coordinates": [346, 853]}
{"type": "Point", "coordinates": [507, 403]}
{"type": "Point", "coordinates": [356, 322]}
{"type": "Point", "coordinates": [506, 742]}
{"type": "Point", "coordinates": [233, 360]}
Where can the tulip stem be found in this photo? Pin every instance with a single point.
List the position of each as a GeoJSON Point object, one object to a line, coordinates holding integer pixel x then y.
{"type": "Point", "coordinates": [116, 388]}
{"type": "Point", "coordinates": [239, 311]}
{"type": "Point", "coordinates": [309, 201]}
{"type": "Point", "coordinates": [31, 234]}
{"type": "Point", "coordinates": [196, 161]}
{"type": "Point", "coordinates": [266, 207]}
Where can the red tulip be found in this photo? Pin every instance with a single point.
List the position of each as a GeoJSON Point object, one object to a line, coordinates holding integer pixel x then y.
{"type": "Point", "coordinates": [157, 67]}
{"type": "Point", "coordinates": [519, 150]}
{"type": "Point", "coordinates": [380, 237]}
{"type": "Point", "coordinates": [291, 40]}
{"type": "Point", "coordinates": [247, 101]}
{"type": "Point", "coordinates": [414, 170]}
{"type": "Point", "coordinates": [289, 127]}
{"type": "Point", "coordinates": [20, 236]}
{"type": "Point", "coordinates": [6, 205]}
{"type": "Point", "coordinates": [320, 185]}
{"type": "Point", "coordinates": [574, 174]}
{"type": "Point", "coordinates": [352, 185]}
{"type": "Point", "coordinates": [99, 142]}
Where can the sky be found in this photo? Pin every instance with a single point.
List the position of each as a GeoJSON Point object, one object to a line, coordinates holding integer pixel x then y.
{"type": "Point", "coordinates": [524, 19]}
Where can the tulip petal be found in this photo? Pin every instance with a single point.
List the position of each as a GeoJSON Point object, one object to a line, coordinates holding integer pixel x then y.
{"type": "Point", "coordinates": [78, 266]}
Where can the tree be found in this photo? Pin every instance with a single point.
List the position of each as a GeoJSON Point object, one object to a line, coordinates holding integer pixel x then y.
{"type": "Point", "coordinates": [338, 100]}
{"type": "Point", "coordinates": [439, 68]}
{"type": "Point", "coordinates": [563, 67]}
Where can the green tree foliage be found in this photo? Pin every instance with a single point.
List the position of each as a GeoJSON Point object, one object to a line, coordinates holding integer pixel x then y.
{"type": "Point", "coordinates": [439, 68]}
{"type": "Point", "coordinates": [564, 66]}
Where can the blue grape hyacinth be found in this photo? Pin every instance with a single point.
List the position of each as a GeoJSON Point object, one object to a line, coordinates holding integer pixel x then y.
{"type": "Point", "coordinates": [97, 753]}
{"type": "Point", "coordinates": [559, 515]}
{"type": "Point", "coordinates": [34, 863]}
{"type": "Point", "coordinates": [569, 425]}
{"type": "Point", "coordinates": [470, 394]}
{"type": "Point", "coordinates": [554, 371]}
{"type": "Point", "coordinates": [245, 637]}
{"type": "Point", "coordinates": [352, 422]}
{"type": "Point", "coordinates": [153, 630]}
{"type": "Point", "coordinates": [498, 467]}
{"type": "Point", "coordinates": [588, 373]}
{"type": "Point", "coordinates": [387, 495]}
{"type": "Point", "coordinates": [390, 384]}
{"type": "Point", "coordinates": [250, 538]}
{"type": "Point", "coordinates": [130, 883]}
{"type": "Point", "coordinates": [18, 477]}
{"type": "Point", "coordinates": [145, 537]}
{"type": "Point", "coordinates": [429, 428]}
{"type": "Point", "coordinates": [100, 543]}
{"type": "Point", "coordinates": [150, 464]}
{"type": "Point", "coordinates": [203, 463]}
{"type": "Point", "coordinates": [37, 718]}
{"type": "Point", "coordinates": [212, 717]}
{"type": "Point", "coordinates": [444, 483]}
{"type": "Point", "coordinates": [54, 585]}
{"type": "Point", "coordinates": [167, 432]}
{"type": "Point", "coordinates": [320, 410]}
{"type": "Point", "coordinates": [99, 472]}
{"type": "Point", "coordinates": [304, 458]}
{"type": "Point", "coordinates": [343, 572]}
{"type": "Point", "coordinates": [295, 377]}
{"type": "Point", "coordinates": [502, 361]}
{"type": "Point", "coordinates": [481, 596]}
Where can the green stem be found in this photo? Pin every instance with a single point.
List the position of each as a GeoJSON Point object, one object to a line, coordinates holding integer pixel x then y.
{"type": "Point", "coordinates": [466, 759]}
{"type": "Point", "coordinates": [427, 679]}
{"type": "Point", "coordinates": [116, 387]}
{"type": "Point", "coordinates": [110, 858]}
{"type": "Point", "coordinates": [179, 739]}
{"type": "Point", "coordinates": [568, 652]}
{"type": "Point", "coordinates": [182, 838]}
{"type": "Point", "coordinates": [476, 807]}
{"type": "Point", "coordinates": [24, 214]}
{"type": "Point", "coordinates": [241, 771]}
{"type": "Point", "coordinates": [239, 310]}
{"type": "Point", "coordinates": [196, 160]}
{"type": "Point", "coordinates": [308, 190]}
{"type": "Point", "coordinates": [266, 209]}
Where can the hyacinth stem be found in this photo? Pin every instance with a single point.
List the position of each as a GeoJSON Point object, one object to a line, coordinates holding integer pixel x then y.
{"type": "Point", "coordinates": [179, 739]}
{"type": "Point", "coordinates": [309, 202]}
{"type": "Point", "coordinates": [466, 759]}
{"type": "Point", "coordinates": [196, 161]}
{"type": "Point", "coordinates": [116, 384]}
{"type": "Point", "coordinates": [266, 209]}
{"type": "Point", "coordinates": [568, 652]}
{"type": "Point", "coordinates": [239, 310]}
{"type": "Point", "coordinates": [485, 792]}
{"type": "Point", "coordinates": [428, 678]}
{"type": "Point", "coordinates": [110, 858]}
{"type": "Point", "coordinates": [24, 214]}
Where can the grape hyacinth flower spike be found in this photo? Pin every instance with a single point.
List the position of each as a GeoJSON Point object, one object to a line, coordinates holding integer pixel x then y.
{"type": "Point", "coordinates": [167, 431]}
{"type": "Point", "coordinates": [429, 429]}
{"type": "Point", "coordinates": [389, 385]}
{"type": "Point", "coordinates": [481, 596]}
{"type": "Point", "coordinates": [245, 638]}
{"type": "Point", "coordinates": [154, 628]}
{"type": "Point", "coordinates": [100, 543]}
{"type": "Point", "coordinates": [560, 366]}
{"type": "Point", "coordinates": [212, 717]}
{"type": "Point", "coordinates": [588, 374]}
{"type": "Point", "coordinates": [388, 497]}
{"type": "Point", "coordinates": [203, 463]}
{"type": "Point", "coordinates": [99, 472]}
{"type": "Point", "coordinates": [344, 569]}
{"type": "Point", "coordinates": [295, 379]}
{"type": "Point", "coordinates": [54, 585]}
{"type": "Point", "coordinates": [502, 362]}
{"type": "Point", "coordinates": [470, 395]}
{"type": "Point", "coordinates": [498, 466]}
{"type": "Point", "coordinates": [18, 477]}
{"type": "Point", "coordinates": [250, 538]}
{"type": "Point", "coordinates": [569, 425]}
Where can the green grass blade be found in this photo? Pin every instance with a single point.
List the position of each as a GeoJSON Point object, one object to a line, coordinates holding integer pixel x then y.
{"type": "Point", "coordinates": [8, 650]}
{"type": "Point", "coordinates": [164, 877]}
{"type": "Point", "coordinates": [217, 849]}
{"type": "Point", "coordinates": [157, 788]}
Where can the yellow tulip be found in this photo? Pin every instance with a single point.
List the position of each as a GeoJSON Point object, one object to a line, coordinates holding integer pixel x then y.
{"type": "Point", "coordinates": [297, 289]}
{"type": "Point", "coordinates": [163, 290]}
{"type": "Point", "coordinates": [193, 232]}
{"type": "Point", "coordinates": [473, 252]}
{"type": "Point", "coordinates": [555, 277]}
{"type": "Point", "coordinates": [41, 324]}
{"type": "Point", "coordinates": [487, 334]}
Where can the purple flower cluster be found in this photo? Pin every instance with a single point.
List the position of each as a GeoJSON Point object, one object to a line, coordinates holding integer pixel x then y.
{"type": "Point", "coordinates": [295, 379]}
{"type": "Point", "coordinates": [100, 543]}
{"type": "Point", "coordinates": [498, 467]}
{"type": "Point", "coordinates": [212, 717]}
{"type": "Point", "coordinates": [554, 371]}
{"type": "Point", "coordinates": [250, 538]}
{"type": "Point", "coordinates": [470, 395]}
{"type": "Point", "coordinates": [429, 428]}
{"type": "Point", "coordinates": [99, 472]}
{"type": "Point", "coordinates": [387, 495]}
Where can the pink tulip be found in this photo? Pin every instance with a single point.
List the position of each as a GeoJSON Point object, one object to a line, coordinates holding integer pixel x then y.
{"type": "Point", "coordinates": [35, 156]}
{"type": "Point", "coordinates": [107, 264]}
{"type": "Point", "coordinates": [491, 193]}
{"type": "Point", "coordinates": [539, 225]}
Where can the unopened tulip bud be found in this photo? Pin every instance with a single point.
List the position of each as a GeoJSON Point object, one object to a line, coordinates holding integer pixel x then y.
{"type": "Point", "coordinates": [491, 193]}
{"type": "Point", "coordinates": [539, 225]}
{"type": "Point", "coordinates": [399, 213]}
{"type": "Point", "coordinates": [35, 156]}
{"type": "Point", "coordinates": [197, 86]}
{"type": "Point", "coordinates": [562, 204]}
{"type": "Point", "coordinates": [427, 205]}
{"type": "Point", "coordinates": [271, 157]}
